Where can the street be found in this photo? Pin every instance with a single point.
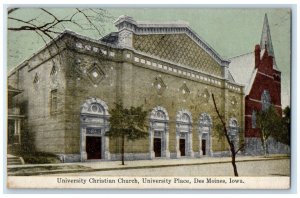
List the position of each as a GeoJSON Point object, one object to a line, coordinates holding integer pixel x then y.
{"type": "Point", "coordinates": [280, 167]}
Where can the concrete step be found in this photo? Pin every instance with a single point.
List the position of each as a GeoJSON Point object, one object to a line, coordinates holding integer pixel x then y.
{"type": "Point", "coordinates": [14, 161]}
{"type": "Point", "coordinates": [12, 158]}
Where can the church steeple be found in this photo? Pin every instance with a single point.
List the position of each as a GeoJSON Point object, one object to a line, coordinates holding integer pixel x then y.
{"type": "Point", "coordinates": [266, 41]}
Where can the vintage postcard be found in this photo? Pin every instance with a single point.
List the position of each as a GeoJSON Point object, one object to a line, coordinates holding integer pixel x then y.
{"type": "Point", "coordinates": [148, 98]}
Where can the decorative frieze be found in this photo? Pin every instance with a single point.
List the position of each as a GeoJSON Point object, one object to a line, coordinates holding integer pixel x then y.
{"type": "Point", "coordinates": [189, 73]}
{"type": "Point", "coordinates": [93, 131]}
{"type": "Point", "coordinates": [233, 87]}
{"type": "Point", "coordinates": [94, 49]}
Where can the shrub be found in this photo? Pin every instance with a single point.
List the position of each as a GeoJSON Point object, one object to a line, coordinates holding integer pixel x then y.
{"type": "Point", "coordinates": [40, 158]}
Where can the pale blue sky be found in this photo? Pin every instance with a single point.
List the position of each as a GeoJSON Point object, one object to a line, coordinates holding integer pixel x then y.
{"type": "Point", "coordinates": [230, 32]}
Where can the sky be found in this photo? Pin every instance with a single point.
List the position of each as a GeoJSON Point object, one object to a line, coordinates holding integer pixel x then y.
{"type": "Point", "coordinates": [230, 32]}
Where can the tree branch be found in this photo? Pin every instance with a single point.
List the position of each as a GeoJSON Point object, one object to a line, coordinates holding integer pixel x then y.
{"type": "Point", "coordinates": [88, 19]}
{"type": "Point", "coordinates": [48, 49]}
{"type": "Point", "coordinates": [11, 10]}
{"type": "Point", "coordinates": [241, 147]}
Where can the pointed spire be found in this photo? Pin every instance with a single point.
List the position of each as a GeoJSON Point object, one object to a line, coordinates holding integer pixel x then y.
{"type": "Point", "coordinates": [266, 41]}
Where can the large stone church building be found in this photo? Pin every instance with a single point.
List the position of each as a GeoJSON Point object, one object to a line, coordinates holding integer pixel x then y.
{"type": "Point", "coordinates": [66, 90]}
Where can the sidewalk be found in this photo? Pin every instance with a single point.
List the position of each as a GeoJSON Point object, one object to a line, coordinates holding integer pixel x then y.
{"type": "Point", "coordinates": [91, 166]}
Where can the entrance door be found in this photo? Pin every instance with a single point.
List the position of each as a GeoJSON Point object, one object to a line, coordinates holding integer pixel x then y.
{"type": "Point", "coordinates": [182, 147]}
{"type": "Point", "coordinates": [93, 147]}
{"type": "Point", "coordinates": [204, 146]}
{"type": "Point", "coordinates": [157, 147]}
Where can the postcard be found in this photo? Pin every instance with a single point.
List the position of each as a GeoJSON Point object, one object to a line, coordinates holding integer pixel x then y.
{"type": "Point", "coordinates": [148, 98]}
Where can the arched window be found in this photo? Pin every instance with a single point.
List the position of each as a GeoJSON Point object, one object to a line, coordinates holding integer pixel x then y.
{"type": "Point", "coordinates": [234, 131]}
{"type": "Point", "coordinates": [159, 115]}
{"type": "Point", "coordinates": [184, 137]}
{"type": "Point", "coordinates": [233, 128]}
{"type": "Point", "coordinates": [265, 100]}
{"type": "Point", "coordinates": [253, 119]}
{"type": "Point", "coordinates": [205, 120]}
{"type": "Point", "coordinates": [205, 135]}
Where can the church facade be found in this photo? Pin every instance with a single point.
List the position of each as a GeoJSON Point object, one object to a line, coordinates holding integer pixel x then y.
{"type": "Point", "coordinates": [69, 86]}
{"type": "Point", "coordinates": [259, 72]}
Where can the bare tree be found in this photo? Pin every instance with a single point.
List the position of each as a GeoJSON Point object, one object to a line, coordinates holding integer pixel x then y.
{"type": "Point", "coordinates": [84, 18]}
{"type": "Point", "coordinates": [233, 150]}
{"type": "Point", "coordinates": [47, 23]}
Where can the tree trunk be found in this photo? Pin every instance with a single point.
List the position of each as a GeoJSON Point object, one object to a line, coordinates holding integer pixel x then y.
{"type": "Point", "coordinates": [233, 164]}
{"type": "Point", "coordinates": [231, 144]}
{"type": "Point", "coordinates": [123, 148]}
{"type": "Point", "coordinates": [264, 143]}
{"type": "Point", "coordinates": [267, 148]}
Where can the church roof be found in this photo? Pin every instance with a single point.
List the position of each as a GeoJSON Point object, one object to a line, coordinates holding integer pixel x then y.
{"type": "Point", "coordinates": [242, 69]}
{"type": "Point", "coordinates": [266, 40]}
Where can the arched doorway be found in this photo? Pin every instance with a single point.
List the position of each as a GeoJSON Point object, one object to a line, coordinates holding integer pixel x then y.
{"type": "Point", "coordinates": [159, 133]}
{"type": "Point", "coordinates": [93, 126]}
{"type": "Point", "coordinates": [184, 137]}
{"type": "Point", "coordinates": [205, 135]}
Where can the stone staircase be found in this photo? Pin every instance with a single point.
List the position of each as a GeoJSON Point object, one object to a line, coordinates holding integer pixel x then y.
{"type": "Point", "coordinates": [14, 160]}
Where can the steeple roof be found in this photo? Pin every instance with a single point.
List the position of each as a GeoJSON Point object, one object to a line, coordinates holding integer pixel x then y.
{"type": "Point", "coordinates": [266, 40]}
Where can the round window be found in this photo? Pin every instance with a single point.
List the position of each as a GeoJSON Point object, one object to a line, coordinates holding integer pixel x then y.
{"type": "Point", "coordinates": [94, 108]}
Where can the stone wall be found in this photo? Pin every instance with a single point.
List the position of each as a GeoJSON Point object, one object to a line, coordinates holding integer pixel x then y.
{"type": "Point", "coordinates": [254, 147]}
{"type": "Point", "coordinates": [94, 70]}
{"type": "Point", "coordinates": [45, 130]}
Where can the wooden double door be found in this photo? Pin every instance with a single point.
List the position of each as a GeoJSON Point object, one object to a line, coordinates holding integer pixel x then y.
{"type": "Point", "coordinates": [157, 147]}
{"type": "Point", "coordinates": [182, 147]}
{"type": "Point", "coordinates": [204, 147]}
{"type": "Point", "coordinates": [93, 147]}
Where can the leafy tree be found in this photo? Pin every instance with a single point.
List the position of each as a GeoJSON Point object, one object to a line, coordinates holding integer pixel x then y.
{"type": "Point", "coordinates": [287, 126]}
{"type": "Point", "coordinates": [284, 135]}
{"type": "Point", "coordinates": [229, 140]}
{"type": "Point", "coordinates": [270, 124]}
{"type": "Point", "coordinates": [129, 124]}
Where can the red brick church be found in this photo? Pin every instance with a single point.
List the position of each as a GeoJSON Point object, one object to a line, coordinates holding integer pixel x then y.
{"type": "Point", "coordinates": [259, 73]}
